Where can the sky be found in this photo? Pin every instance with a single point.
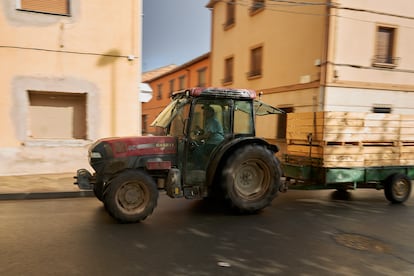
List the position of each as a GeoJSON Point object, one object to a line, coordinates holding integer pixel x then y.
{"type": "Point", "coordinates": [174, 32]}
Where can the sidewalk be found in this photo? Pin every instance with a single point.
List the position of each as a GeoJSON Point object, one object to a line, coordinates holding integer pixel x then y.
{"type": "Point", "coordinates": [40, 186]}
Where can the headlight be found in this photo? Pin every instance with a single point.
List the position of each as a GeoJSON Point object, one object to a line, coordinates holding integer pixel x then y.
{"type": "Point", "coordinates": [95, 154]}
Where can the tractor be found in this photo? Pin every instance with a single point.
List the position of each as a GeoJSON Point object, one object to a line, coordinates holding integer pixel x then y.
{"type": "Point", "coordinates": [208, 149]}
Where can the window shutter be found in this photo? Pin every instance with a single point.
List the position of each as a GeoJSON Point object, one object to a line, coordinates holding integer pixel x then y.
{"type": "Point", "coordinates": [385, 44]}
{"type": "Point", "coordinates": [46, 6]}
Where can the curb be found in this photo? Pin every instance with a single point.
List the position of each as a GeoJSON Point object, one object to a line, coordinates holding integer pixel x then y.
{"type": "Point", "coordinates": [46, 195]}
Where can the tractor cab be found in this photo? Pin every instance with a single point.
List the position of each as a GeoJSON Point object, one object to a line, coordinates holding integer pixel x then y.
{"type": "Point", "coordinates": [205, 122]}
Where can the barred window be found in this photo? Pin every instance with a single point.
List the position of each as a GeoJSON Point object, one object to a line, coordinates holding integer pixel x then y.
{"type": "Point", "coordinates": [202, 79]}
{"type": "Point", "coordinates": [172, 86]}
{"type": "Point", "coordinates": [228, 70]}
{"type": "Point", "coordinates": [181, 82]}
{"type": "Point", "coordinates": [159, 91]}
{"type": "Point", "coordinates": [257, 5]}
{"type": "Point", "coordinates": [256, 55]}
{"type": "Point", "coordinates": [230, 13]}
{"type": "Point", "coordinates": [385, 47]}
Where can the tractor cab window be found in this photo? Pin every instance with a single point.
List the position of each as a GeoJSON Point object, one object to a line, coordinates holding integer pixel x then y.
{"type": "Point", "coordinates": [210, 121]}
{"type": "Point", "coordinates": [243, 119]}
{"type": "Point", "coordinates": [178, 123]}
{"type": "Point", "coordinates": [209, 126]}
{"type": "Point", "coordinates": [174, 114]}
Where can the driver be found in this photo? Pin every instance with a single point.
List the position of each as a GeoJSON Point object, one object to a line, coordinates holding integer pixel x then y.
{"type": "Point", "coordinates": [210, 136]}
{"type": "Point", "coordinates": [213, 131]}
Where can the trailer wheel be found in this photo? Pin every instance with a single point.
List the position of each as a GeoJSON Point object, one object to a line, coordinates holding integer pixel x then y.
{"type": "Point", "coordinates": [131, 196]}
{"type": "Point", "coordinates": [397, 188]}
{"type": "Point", "coordinates": [251, 178]}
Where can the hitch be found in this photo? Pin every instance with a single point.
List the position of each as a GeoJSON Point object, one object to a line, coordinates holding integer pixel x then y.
{"type": "Point", "coordinates": [84, 179]}
{"type": "Point", "coordinates": [284, 186]}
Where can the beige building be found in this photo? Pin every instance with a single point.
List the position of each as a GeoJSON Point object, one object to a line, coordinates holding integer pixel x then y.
{"type": "Point", "coordinates": [69, 75]}
{"type": "Point", "coordinates": [313, 55]}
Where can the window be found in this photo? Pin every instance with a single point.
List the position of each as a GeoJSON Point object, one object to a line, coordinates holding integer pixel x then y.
{"type": "Point", "coordinates": [202, 77]}
{"type": "Point", "coordinates": [159, 91]}
{"type": "Point", "coordinates": [172, 82]}
{"type": "Point", "coordinates": [255, 62]}
{"type": "Point", "coordinates": [228, 70]}
{"type": "Point", "coordinates": [181, 82]}
{"type": "Point", "coordinates": [144, 124]}
{"type": "Point", "coordinates": [385, 47]}
{"type": "Point", "coordinates": [230, 13]}
{"type": "Point", "coordinates": [58, 7]}
{"type": "Point", "coordinates": [257, 5]}
{"type": "Point", "coordinates": [56, 115]}
{"type": "Point", "coordinates": [381, 109]}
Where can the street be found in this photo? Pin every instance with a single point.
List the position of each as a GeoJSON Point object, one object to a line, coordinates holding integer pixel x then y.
{"type": "Point", "coordinates": [302, 233]}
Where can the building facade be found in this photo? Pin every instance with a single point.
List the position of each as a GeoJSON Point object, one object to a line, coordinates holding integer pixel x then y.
{"type": "Point", "coordinates": [190, 74]}
{"type": "Point", "coordinates": [69, 75]}
{"type": "Point", "coordinates": [313, 55]}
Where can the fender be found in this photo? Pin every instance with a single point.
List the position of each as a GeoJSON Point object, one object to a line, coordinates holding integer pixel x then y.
{"type": "Point", "coordinates": [221, 153]}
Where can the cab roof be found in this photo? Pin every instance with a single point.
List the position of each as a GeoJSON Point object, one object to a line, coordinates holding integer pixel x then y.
{"type": "Point", "coordinates": [217, 92]}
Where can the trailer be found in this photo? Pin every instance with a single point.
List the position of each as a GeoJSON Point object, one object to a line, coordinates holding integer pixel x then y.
{"type": "Point", "coordinates": [344, 150]}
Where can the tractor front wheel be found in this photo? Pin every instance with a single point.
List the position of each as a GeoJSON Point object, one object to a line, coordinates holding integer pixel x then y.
{"type": "Point", "coordinates": [131, 196]}
{"type": "Point", "coordinates": [251, 178]}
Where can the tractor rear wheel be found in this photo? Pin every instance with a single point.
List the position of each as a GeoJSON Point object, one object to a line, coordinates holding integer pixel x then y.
{"type": "Point", "coordinates": [251, 178]}
{"type": "Point", "coordinates": [131, 196]}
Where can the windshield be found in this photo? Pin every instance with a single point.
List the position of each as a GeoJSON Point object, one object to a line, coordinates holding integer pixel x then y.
{"type": "Point", "coordinates": [169, 113]}
{"type": "Point", "coordinates": [260, 109]}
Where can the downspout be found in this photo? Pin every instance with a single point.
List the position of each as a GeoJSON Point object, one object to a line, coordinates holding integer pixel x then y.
{"type": "Point", "coordinates": [325, 55]}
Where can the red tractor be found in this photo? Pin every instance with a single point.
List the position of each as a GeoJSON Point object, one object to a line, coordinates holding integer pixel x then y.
{"type": "Point", "coordinates": [209, 150]}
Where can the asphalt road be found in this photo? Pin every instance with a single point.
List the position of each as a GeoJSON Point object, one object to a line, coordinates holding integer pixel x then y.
{"type": "Point", "coordinates": [302, 233]}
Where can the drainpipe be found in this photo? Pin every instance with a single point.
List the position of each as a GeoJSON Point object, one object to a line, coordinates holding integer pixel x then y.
{"type": "Point", "coordinates": [325, 56]}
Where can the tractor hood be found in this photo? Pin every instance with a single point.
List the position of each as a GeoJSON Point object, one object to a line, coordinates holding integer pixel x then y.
{"type": "Point", "coordinates": [114, 154]}
{"type": "Point", "coordinates": [132, 146]}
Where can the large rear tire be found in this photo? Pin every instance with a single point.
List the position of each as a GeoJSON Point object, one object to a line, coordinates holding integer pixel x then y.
{"type": "Point", "coordinates": [251, 178]}
{"type": "Point", "coordinates": [131, 196]}
{"type": "Point", "coordinates": [397, 188]}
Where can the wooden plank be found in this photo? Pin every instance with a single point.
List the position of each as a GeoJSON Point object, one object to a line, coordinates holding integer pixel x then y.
{"type": "Point", "coordinates": [302, 150]}
{"type": "Point", "coordinates": [381, 117]}
{"type": "Point", "coordinates": [381, 150]}
{"type": "Point", "coordinates": [406, 149]}
{"type": "Point", "coordinates": [345, 122]}
{"type": "Point", "coordinates": [357, 137]}
{"type": "Point", "coordinates": [344, 158]}
{"type": "Point", "coordinates": [381, 156]}
{"type": "Point", "coordinates": [293, 135]}
{"type": "Point", "coordinates": [338, 150]}
{"type": "Point", "coordinates": [383, 162]}
{"type": "Point", "coordinates": [408, 162]}
{"type": "Point", "coordinates": [360, 130]}
{"type": "Point", "coordinates": [344, 164]}
{"type": "Point", "coordinates": [339, 114]}
{"type": "Point", "coordinates": [305, 115]}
